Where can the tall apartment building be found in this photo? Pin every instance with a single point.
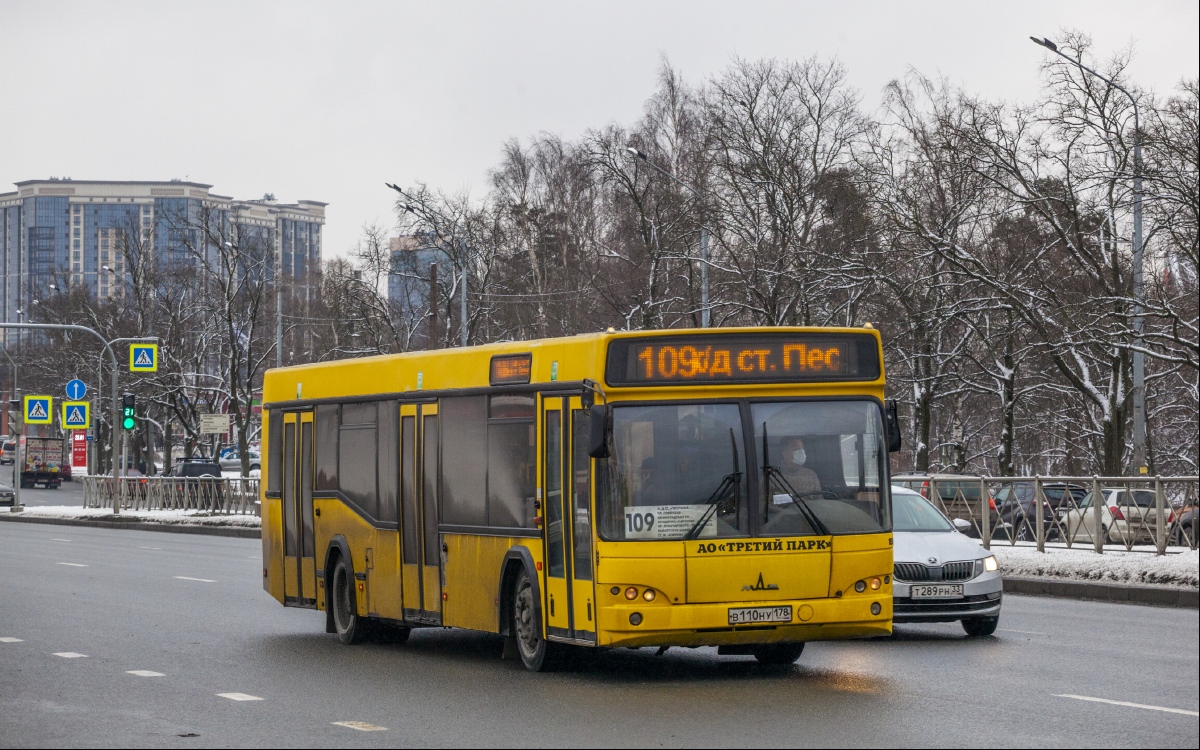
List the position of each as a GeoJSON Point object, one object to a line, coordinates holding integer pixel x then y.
{"type": "Point", "coordinates": [62, 232]}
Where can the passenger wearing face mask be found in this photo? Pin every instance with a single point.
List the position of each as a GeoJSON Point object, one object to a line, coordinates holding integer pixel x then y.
{"type": "Point", "coordinates": [802, 478]}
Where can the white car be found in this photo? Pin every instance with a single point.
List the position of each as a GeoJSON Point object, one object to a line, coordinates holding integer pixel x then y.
{"type": "Point", "coordinates": [941, 575]}
{"type": "Point", "coordinates": [233, 461]}
{"type": "Point", "coordinates": [1126, 517]}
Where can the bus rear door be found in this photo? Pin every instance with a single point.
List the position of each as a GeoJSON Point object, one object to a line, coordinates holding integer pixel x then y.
{"type": "Point", "coordinates": [300, 569]}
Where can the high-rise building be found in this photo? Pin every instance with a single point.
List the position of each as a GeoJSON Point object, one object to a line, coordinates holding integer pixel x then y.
{"type": "Point", "coordinates": [61, 233]}
{"type": "Point", "coordinates": [408, 277]}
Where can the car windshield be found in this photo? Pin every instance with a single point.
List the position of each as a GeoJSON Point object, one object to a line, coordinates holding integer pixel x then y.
{"type": "Point", "coordinates": [911, 512]}
{"type": "Point", "coordinates": [821, 463]}
{"type": "Point", "coordinates": [677, 471]}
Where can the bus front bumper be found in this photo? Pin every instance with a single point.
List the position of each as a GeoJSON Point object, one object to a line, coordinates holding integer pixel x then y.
{"type": "Point", "coordinates": [708, 624]}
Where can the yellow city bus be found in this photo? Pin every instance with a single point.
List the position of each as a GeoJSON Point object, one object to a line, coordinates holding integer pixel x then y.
{"type": "Point", "coordinates": [722, 487]}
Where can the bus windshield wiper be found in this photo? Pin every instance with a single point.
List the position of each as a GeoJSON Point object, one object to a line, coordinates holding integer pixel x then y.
{"type": "Point", "coordinates": [773, 473]}
{"type": "Point", "coordinates": [733, 481]}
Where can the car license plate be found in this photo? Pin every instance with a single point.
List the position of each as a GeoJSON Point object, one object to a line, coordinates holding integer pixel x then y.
{"type": "Point", "coordinates": [937, 591]}
{"type": "Point", "coordinates": [753, 615]}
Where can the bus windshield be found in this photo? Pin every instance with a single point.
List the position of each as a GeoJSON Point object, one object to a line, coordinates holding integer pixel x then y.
{"type": "Point", "coordinates": [679, 473]}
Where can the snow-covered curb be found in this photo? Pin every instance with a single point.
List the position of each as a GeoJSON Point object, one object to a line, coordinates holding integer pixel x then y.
{"type": "Point", "coordinates": [164, 517]}
{"type": "Point", "coordinates": [1114, 566]}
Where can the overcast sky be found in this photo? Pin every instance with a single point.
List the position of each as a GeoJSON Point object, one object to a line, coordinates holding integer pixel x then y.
{"type": "Point", "coordinates": [327, 101]}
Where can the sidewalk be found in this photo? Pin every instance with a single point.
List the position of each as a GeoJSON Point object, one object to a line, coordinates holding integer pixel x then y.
{"type": "Point", "coordinates": [177, 521]}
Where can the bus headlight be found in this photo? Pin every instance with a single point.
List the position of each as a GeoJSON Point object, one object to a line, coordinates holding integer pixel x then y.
{"type": "Point", "coordinates": [631, 593]}
{"type": "Point", "coordinates": [635, 618]}
{"type": "Point", "coordinates": [860, 586]}
{"type": "Point", "coordinates": [648, 595]}
{"type": "Point", "coordinates": [875, 584]}
{"type": "Point", "coordinates": [875, 608]}
{"type": "Point", "coordinates": [990, 565]}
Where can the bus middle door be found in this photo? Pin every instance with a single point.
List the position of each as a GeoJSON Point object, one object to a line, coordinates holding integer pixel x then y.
{"type": "Point", "coordinates": [421, 549]}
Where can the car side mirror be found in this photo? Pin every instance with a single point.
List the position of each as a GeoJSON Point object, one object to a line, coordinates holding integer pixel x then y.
{"type": "Point", "coordinates": [962, 524]}
{"type": "Point", "coordinates": [598, 434]}
{"type": "Point", "coordinates": [891, 423]}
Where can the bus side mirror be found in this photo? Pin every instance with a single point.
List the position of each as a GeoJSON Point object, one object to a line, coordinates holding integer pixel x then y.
{"type": "Point", "coordinates": [891, 422]}
{"type": "Point", "coordinates": [598, 435]}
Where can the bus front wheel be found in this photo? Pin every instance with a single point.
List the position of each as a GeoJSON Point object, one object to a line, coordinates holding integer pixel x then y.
{"type": "Point", "coordinates": [346, 621]}
{"type": "Point", "coordinates": [536, 653]}
{"type": "Point", "coordinates": [778, 654]}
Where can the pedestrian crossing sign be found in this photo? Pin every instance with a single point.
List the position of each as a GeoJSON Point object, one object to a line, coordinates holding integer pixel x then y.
{"type": "Point", "coordinates": [76, 415]}
{"type": "Point", "coordinates": [39, 410]}
{"type": "Point", "coordinates": [143, 357]}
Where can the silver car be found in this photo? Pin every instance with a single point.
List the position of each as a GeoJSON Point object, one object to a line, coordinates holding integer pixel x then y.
{"type": "Point", "coordinates": [941, 575]}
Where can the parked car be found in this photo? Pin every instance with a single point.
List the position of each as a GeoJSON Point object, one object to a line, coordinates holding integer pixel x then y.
{"type": "Point", "coordinates": [7, 496]}
{"type": "Point", "coordinates": [8, 452]}
{"type": "Point", "coordinates": [232, 461]}
{"type": "Point", "coordinates": [1015, 503]}
{"type": "Point", "coordinates": [1126, 517]}
{"type": "Point", "coordinates": [940, 574]}
{"type": "Point", "coordinates": [206, 489]}
{"type": "Point", "coordinates": [1184, 532]}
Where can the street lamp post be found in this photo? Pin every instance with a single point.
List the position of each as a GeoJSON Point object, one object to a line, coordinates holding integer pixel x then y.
{"type": "Point", "coordinates": [704, 307]}
{"type": "Point", "coordinates": [1139, 359]}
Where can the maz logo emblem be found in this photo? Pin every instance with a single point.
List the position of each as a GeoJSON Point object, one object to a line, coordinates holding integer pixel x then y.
{"type": "Point", "coordinates": [760, 586]}
{"type": "Point", "coordinates": [933, 561]}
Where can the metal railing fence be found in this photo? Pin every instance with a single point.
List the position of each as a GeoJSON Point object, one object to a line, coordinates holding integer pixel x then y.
{"type": "Point", "coordinates": [212, 494]}
{"type": "Point", "coordinates": [1092, 512]}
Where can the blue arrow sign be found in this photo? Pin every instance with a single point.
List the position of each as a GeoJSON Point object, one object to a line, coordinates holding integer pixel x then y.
{"type": "Point", "coordinates": [76, 389]}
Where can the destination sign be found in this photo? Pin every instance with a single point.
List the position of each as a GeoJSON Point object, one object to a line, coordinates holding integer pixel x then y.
{"type": "Point", "coordinates": [742, 358]}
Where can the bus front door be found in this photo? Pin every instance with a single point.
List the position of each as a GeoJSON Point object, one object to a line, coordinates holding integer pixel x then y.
{"type": "Point", "coordinates": [300, 569]}
{"type": "Point", "coordinates": [566, 521]}
{"type": "Point", "coordinates": [421, 550]}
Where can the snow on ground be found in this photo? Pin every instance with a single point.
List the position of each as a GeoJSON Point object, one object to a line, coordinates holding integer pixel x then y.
{"type": "Point", "coordinates": [1180, 570]}
{"type": "Point", "coordinates": [186, 517]}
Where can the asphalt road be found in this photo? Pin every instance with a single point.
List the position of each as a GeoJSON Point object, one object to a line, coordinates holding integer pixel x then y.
{"type": "Point", "coordinates": [191, 608]}
{"type": "Point", "coordinates": [68, 493]}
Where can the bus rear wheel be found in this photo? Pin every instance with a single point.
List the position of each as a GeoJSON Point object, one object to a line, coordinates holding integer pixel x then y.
{"type": "Point", "coordinates": [536, 654]}
{"type": "Point", "coordinates": [778, 654]}
{"type": "Point", "coordinates": [346, 622]}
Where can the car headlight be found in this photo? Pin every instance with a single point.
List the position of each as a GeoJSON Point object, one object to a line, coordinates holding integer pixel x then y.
{"type": "Point", "coordinates": [990, 565]}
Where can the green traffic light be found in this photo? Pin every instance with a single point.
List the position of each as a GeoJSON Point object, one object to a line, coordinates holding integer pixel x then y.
{"type": "Point", "coordinates": [128, 423]}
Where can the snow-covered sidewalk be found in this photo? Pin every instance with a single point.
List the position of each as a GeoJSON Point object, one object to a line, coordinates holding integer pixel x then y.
{"type": "Point", "coordinates": [1180, 570]}
{"type": "Point", "coordinates": [165, 517]}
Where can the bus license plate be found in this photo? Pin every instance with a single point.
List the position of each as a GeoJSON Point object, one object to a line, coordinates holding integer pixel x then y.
{"type": "Point", "coordinates": [937, 591]}
{"type": "Point", "coordinates": [754, 615]}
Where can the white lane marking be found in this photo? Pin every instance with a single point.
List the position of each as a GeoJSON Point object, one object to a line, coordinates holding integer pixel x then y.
{"type": "Point", "coordinates": [7, 639]}
{"type": "Point", "coordinates": [71, 655]}
{"type": "Point", "coordinates": [144, 673]}
{"type": "Point", "coordinates": [59, 540]}
{"type": "Point", "coordinates": [74, 565]}
{"type": "Point", "coordinates": [150, 548]}
{"type": "Point", "coordinates": [1022, 632]}
{"type": "Point", "coordinates": [239, 697]}
{"type": "Point", "coordinates": [361, 726]}
{"type": "Point", "coordinates": [1183, 711]}
{"type": "Point", "coordinates": [201, 580]}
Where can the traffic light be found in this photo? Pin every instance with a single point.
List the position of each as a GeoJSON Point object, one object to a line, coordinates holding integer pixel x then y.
{"type": "Point", "coordinates": [128, 405]}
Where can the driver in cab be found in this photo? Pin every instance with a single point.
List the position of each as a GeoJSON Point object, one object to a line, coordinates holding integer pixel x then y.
{"type": "Point", "coordinates": [803, 479]}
